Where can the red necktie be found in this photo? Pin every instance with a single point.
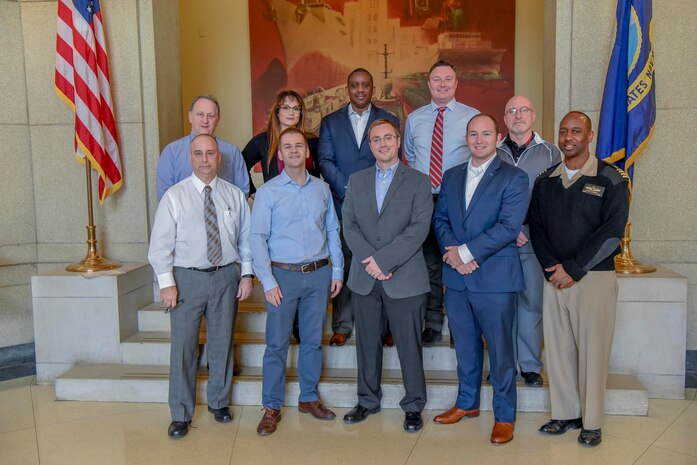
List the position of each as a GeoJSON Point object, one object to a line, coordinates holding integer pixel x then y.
{"type": "Point", "coordinates": [436, 170]}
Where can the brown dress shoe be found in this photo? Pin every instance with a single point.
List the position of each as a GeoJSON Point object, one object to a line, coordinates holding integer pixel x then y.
{"type": "Point", "coordinates": [389, 340]}
{"type": "Point", "coordinates": [268, 422]}
{"type": "Point", "coordinates": [338, 339]}
{"type": "Point", "coordinates": [316, 409]}
{"type": "Point", "coordinates": [454, 415]}
{"type": "Point", "coordinates": [502, 432]}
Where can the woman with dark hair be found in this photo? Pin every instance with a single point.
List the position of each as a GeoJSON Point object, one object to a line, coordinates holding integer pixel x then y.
{"type": "Point", "coordinates": [288, 110]}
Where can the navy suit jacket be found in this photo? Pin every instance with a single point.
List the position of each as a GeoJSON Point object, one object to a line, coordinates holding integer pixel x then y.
{"type": "Point", "coordinates": [339, 155]}
{"type": "Point", "coordinates": [489, 226]}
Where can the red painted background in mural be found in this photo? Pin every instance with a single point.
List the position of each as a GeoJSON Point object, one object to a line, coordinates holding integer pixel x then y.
{"type": "Point", "coordinates": [310, 46]}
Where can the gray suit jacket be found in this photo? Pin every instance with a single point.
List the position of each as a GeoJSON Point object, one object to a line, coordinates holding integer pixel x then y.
{"type": "Point", "coordinates": [393, 237]}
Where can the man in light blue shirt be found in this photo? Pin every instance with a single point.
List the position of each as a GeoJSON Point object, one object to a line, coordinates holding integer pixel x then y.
{"type": "Point", "coordinates": [174, 164]}
{"type": "Point", "coordinates": [452, 150]}
{"type": "Point", "coordinates": [294, 236]}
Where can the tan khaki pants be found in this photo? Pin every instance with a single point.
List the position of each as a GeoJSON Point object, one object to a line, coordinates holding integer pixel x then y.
{"type": "Point", "coordinates": [579, 323]}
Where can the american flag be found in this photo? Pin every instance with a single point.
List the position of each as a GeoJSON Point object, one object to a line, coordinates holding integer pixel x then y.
{"type": "Point", "coordinates": [82, 82]}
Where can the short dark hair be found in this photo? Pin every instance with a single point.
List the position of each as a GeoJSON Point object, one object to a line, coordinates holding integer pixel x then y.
{"type": "Point", "coordinates": [484, 115]}
{"type": "Point", "coordinates": [359, 70]}
{"type": "Point", "coordinates": [582, 114]}
{"type": "Point", "coordinates": [440, 63]}
{"type": "Point", "coordinates": [210, 97]}
{"type": "Point", "coordinates": [381, 121]}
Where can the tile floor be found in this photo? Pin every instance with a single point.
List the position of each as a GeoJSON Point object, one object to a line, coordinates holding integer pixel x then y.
{"type": "Point", "coordinates": [36, 429]}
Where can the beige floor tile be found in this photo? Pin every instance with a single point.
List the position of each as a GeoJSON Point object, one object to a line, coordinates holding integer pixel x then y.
{"type": "Point", "coordinates": [301, 439]}
{"type": "Point", "coordinates": [658, 456]}
{"type": "Point", "coordinates": [17, 382]}
{"type": "Point", "coordinates": [646, 429]}
{"type": "Point", "coordinates": [16, 411]}
{"type": "Point", "coordinates": [136, 439]}
{"type": "Point", "coordinates": [18, 447]}
{"type": "Point", "coordinates": [48, 411]}
{"type": "Point", "coordinates": [468, 442]}
{"type": "Point", "coordinates": [690, 393]}
{"type": "Point", "coordinates": [680, 436]}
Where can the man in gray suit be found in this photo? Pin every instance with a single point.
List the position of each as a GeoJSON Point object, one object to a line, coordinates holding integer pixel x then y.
{"type": "Point", "coordinates": [387, 215]}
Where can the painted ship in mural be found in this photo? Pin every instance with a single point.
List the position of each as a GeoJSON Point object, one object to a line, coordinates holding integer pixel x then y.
{"type": "Point", "coordinates": [314, 27]}
{"type": "Point", "coordinates": [470, 54]}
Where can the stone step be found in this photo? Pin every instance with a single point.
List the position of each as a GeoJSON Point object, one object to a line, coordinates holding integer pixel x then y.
{"type": "Point", "coordinates": [251, 316]}
{"type": "Point", "coordinates": [147, 383]}
{"type": "Point", "coordinates": [153, 348]}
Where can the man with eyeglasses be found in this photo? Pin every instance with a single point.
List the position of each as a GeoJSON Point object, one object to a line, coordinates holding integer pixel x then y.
{"type": "Point", "coordinates": [434, 141]}
{"type": "Point", "coordinates": [343, 150]}
{"type": "Point", "coordinates": [174, 165]}
{"type": "Point", "coordinates": [200, 253]}
{"type": "Point", "coordinates": [526, 150]}
{"type": "Point", "coordinates": [387, 214]}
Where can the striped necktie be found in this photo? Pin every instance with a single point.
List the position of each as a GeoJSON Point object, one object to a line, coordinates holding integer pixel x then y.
{"type": "Point", "coordinates": [436, 170]}
{"type": "Point", "coordinates": [215, 249]}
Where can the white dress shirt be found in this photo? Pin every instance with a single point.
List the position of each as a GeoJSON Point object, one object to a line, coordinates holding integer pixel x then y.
{"type": "Point", "coordinates": [179, 234]}
{"type": "Point", "coordinates": [474, 176]}
{"type": "Point", "coordinates": [359, 122]}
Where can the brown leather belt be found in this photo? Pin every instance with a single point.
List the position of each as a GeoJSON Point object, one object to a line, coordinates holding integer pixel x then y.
{"type": "Point", "coordinates": [304, 267]}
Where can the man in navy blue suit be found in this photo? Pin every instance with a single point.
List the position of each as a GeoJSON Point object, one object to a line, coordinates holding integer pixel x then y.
{"type": "Point", "coordinates": [343, 150]}
{"type": "Point", "coordinates": [478, 215]}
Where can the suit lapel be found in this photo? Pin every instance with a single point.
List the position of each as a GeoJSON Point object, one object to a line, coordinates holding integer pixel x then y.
{"type": "Point", "coordinates": [370, 188]}
{"type": "Point", "coordinates": [344, 117]}
{"type": "Point", "coordinates": [486, 179]}
{"type": "Point", "coordinates": [397, 180]}
{"type": "Point", "coordinates": [372, 117]}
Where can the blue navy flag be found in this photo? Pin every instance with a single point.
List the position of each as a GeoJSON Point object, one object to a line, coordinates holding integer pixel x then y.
{"type": "Point", "coordinates": [628, 113]}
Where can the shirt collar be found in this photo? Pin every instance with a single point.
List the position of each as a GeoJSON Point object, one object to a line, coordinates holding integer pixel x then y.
{"type": "Point", "coordinates": [390, 169]}
{"type": "Point", "coordinates": [589, 168]}
{"type": "Point", "coordinates": [481, 168]}
{"type": "Point", "coordinates": [352, 112]}
{"type": "Point", "coordinates": [285, 179]}
{"type": "Point", "coordinates": [199, 185]}
{"type": "Point", "coordinates": [450, 105]}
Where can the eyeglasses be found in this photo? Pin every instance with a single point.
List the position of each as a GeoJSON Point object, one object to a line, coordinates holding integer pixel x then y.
{"type": "Point", "coordinates": [289, 109]}
{"type": "Point", "coordinates": [522, 110]}
{"type": "Point", "coordinates": [388, 138]}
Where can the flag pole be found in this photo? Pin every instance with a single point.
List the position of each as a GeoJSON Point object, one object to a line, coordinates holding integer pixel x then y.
{"type": "Point", "coordinates": [625, 263]}
{"type": "Point", "coordinates": [92, 261]}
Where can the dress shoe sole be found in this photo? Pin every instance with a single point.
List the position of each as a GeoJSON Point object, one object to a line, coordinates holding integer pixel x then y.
{"type": "Point", "coordinates": [498, 443]}
{"type": "Point", "coordinates": [301, 410]}
{"type": "Point", "coordinates": [219, 419]}
{"type": "Point", "coordinates": [467, 415]}
{"type": "Point", "coordinates": [562, 430]}
{"type": "Point", "coordinates": [367, 414]}
{"type": "Point", "coordinates": [414, 428]}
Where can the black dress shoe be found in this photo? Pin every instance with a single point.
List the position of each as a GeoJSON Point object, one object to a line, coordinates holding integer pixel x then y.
{"type": "Point", "coordinates": [430, 337]}
{"type": "Point", "coordinates": [561, 426]}
{"type": "Point", "coordinates": [178, 429]}
{"type": "Point", "coordinates": [590, 437]}
{"type": "Point", "coordinates": [532, 379]}
{"type": "Point", "coordinates": [221, 415]}
{"type": "Point", "coordinates": [413, 422]}
{"type": "Point", "coordinates": [359, 413]}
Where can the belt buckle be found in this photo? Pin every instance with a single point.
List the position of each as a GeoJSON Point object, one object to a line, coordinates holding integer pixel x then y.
{"type": "Point", "coordinates": [306, 267]}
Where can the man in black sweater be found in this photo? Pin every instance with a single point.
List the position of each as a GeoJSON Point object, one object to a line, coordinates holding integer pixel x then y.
{"type": "Point", "coordinates": [577, 215]}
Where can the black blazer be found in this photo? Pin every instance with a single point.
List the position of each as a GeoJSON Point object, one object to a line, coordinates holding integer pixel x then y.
{"type": "Point", "coordinates": [257, 150]}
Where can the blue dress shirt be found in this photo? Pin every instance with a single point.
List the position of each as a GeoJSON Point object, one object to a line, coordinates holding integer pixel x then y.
{"type": "Point", "coordinates": [383, 179]}
{"type": "Point", "coordinates": [418, 133]}
{"type": "Point", "coordinates": [174, 165]}
{"type": "Point", "coordinates": [294, 224]}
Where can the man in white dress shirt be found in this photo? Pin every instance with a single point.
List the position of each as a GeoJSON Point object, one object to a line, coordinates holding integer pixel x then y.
{"type": "Point", "coordinates": [200, 253]}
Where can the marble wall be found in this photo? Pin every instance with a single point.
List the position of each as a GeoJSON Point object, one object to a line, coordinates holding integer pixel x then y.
{"type": "Point", "coordinates": [43, 187]}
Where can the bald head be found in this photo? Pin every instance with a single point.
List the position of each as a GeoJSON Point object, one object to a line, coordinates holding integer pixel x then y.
{"type": "Point", "coordinates": [519, 116]}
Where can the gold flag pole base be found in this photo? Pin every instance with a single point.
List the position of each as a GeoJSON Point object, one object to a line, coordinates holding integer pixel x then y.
{"type": "Point", "coordinates": [92, 261]}
{"type": "Point", "coordinates": [624, 262]}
